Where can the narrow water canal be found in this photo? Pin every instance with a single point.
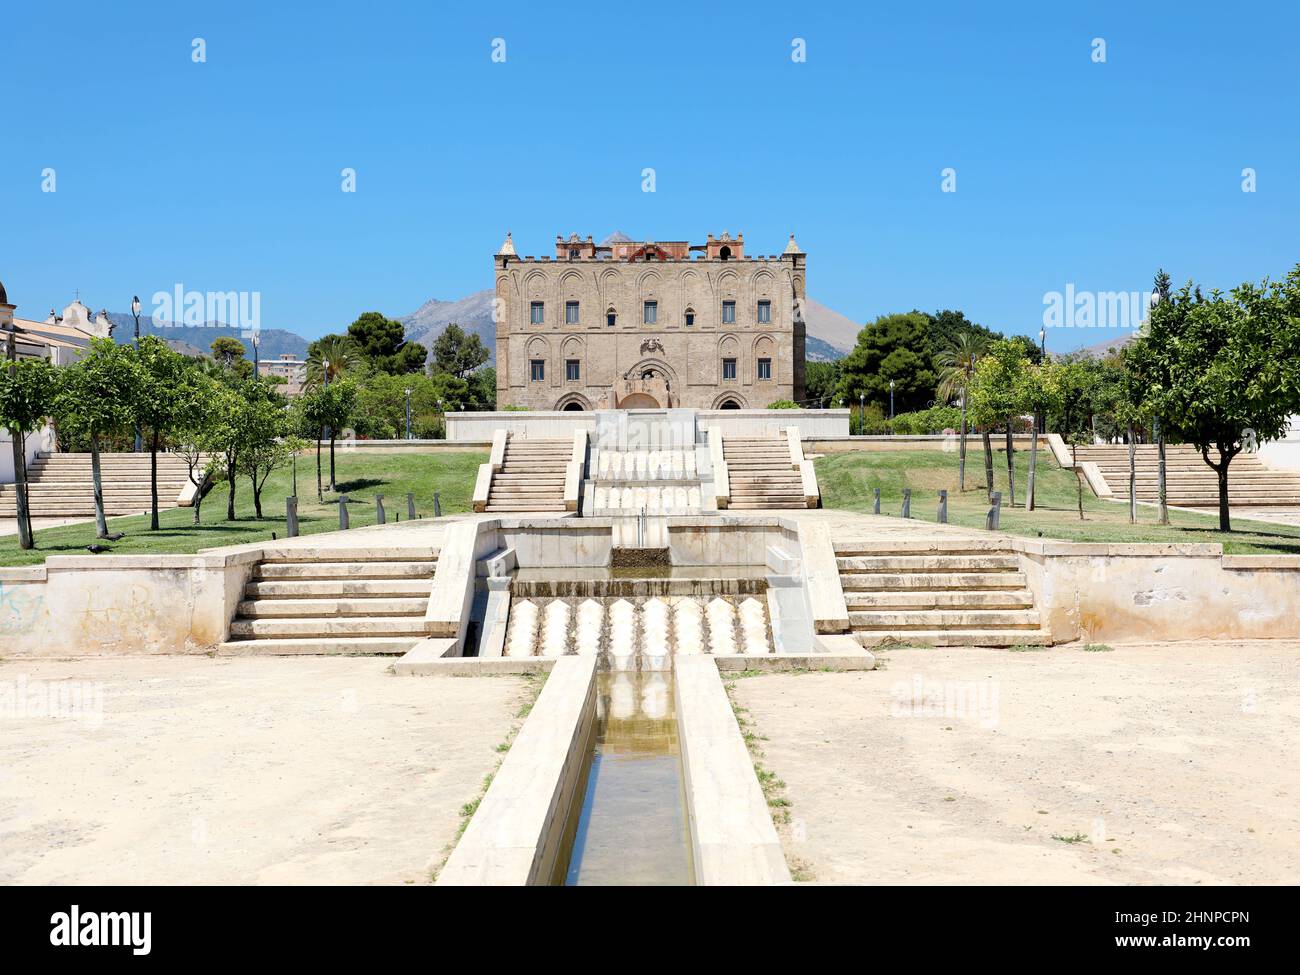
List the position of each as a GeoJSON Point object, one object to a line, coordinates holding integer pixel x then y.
{"type": "Point", "coordinates": [632, 827]}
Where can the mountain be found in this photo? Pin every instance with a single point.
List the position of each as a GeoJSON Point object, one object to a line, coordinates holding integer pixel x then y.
{"type": "Point", "coordinates": [830, 334]}
{"type": "Point", "coordinates": [830, 327]}
{"type": "Point", "coordinates": [198, 339]}
{"type": "Point", "coordinates": [1114, 344]}
{"type": "Point", "coordinates": [472, 313]}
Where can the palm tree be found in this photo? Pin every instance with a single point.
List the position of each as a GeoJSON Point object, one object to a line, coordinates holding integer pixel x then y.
{"type": "Point", "coordinates": [957, 364]}
{"type": "Point", "coordinates": [330, 358]}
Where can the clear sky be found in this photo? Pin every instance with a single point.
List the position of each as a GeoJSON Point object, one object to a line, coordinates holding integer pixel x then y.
{"type": "Point", "coordinates": [225, 175]}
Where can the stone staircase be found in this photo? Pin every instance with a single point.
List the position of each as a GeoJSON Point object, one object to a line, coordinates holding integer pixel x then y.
{"type": "Point", "coordinates": [945, 594]}
{"type": "Point", "coordinates": [761, 474]}
{"type": "Point", "coordinates": [531, 477]}
{"type": "Point", "coordinates": [62, 486]}
{"type": "Point", "coordinates": [314, 601]}
{"type": "Point", "coordinates": [1189, 481]}
{"type": "Point", "coordinates": [639, 632]}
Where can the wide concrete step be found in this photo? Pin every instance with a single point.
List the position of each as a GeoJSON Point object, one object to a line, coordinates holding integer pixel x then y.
{"type": "Point", "coordinates": [335, 588]}
{"type": "Point", "coordinates": [330, 626]}
{"type": "Point", "coordinates": [539, 507]}
{"type": "Point", "coordinates": [932, 581]}
{"type": "Point", "coordinates": [344, 570]}
{"type": "Point", "coordinates": [324, 608]}
{"type": "Point", "coordinates": [940, 619]}
{"type": "Point", "coordinates": [353, 646]}
{"type": "Point", "coordinates": [919, 546]}
{"type": "Point", "coordinates": [928, 563]}
{"type": "Point", "coordinates": [943, 599]}
{"type": "Point", "coordinates": [956, 638]}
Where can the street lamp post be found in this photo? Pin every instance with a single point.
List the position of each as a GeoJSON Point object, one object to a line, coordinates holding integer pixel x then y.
{"type": "Point", "coordinates": [256, 342]}
{"type": "Point", "coordinates": [891, 405]}
{"type": "Point", "coordinates": [862, 414]}
{"type": "Point", "coordinates": [442, 421]}
{"type": "Point", "coordinates": [408, 414]}
{"type": "Point", "coordinates": [1042, 348]}
{"type": "Point", "coordinates": [135, 312]}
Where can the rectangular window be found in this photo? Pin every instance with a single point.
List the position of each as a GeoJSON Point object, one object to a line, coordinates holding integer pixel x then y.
{"type": "Point", "coordinates": [728, 312]}
{"type": "Point", "coordinates": [610, 319]}
{"type": "Point", "coordinates": [764, 312]}
{"type": "Point", "coordinates": [571, 313]}
{"type": "Point", "coordinates": [537, 312]}
{"type": "Point", "coordinates": [571, 371]}
{"type": "Point", "coordinates": [764, 368]}
{"type": "Point", "coordinates": [690, 319]}
{"type": "Point", "coordinates": [728, 368]}
{"type": "Point", "coordinates": [538, 370]}
{"type": "Point", "coordinates": [651, 312]}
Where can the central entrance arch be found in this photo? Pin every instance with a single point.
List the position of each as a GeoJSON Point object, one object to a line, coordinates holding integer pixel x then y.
{"type": "Point", "coordinates": [638, 401]}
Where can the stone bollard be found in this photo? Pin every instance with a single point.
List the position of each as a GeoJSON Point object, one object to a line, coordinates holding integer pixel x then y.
{"type": "Point", "coordinates": [437, 505]}
{"type": "Point", "coordinates": [943, 507]}
{"type": "Point", "coordinates": [343, 511]}
{"type": "Point", "coordinates": [876, 510]}
{"type": "Point", "coordinates": [380, 517]}
{"type": "Point", "coordinates": [291, 517]}
{"type": "Point", "coordinates": [995, 512]}
{"type": "Point", "coordinates": [907, 502]}
{"type": "Point", "coordinates": [410, 505]}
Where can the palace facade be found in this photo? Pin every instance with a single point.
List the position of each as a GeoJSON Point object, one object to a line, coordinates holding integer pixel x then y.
{"type": "Point", "coordinates": [649, 324]}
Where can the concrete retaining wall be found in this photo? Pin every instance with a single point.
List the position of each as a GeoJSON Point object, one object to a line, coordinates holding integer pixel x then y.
{"type": "Point", "coordinates": [1147, 592]}
{"type": "Point", "coordinates": [517, 836]}
{"type": "Point", "coordinates": [96, 604]}
{"type": "Point", "coordinates": [732, 835]}
{"type": "Point", "coordinates": [477, 428]}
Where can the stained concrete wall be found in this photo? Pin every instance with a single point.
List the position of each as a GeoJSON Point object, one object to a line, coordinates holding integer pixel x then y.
{"type": "Point", "coordinates": [560, 425]}
{"type": "Point", "coordinates": [86, 605]}
{"type": "Point", "coordinates": [1144, 592]}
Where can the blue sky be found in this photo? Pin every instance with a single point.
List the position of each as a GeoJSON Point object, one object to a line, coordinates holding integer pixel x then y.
{"type": "Point", "coordinates": [225, 175]}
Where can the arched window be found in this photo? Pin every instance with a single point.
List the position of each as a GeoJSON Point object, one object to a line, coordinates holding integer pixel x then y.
{"type": "Point", "coordinates": [690, 316]}
{"type": "Point", "coordinates": [724, 253]}
{"type": "Point", "coordinates": [611, 316]}
{"type": "Point", "coordinates": [729, 404]}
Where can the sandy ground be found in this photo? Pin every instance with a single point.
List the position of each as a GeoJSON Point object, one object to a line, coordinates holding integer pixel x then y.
{"type": "Point", "coordinates": [1169, 764]}
{"type": "Point", "coordinates": [220, 771]}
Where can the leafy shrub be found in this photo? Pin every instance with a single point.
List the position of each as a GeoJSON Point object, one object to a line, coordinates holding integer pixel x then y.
{"type": "Point", "coordinates": [783, 404]}
{"type": "Point", "coordinates": [934, 420]}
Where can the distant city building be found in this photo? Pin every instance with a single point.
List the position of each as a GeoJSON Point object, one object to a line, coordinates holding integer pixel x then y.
{"type": "Point", "coordinates": [645, 324]}
{"type": "Point", "coordinates": [292, 370]}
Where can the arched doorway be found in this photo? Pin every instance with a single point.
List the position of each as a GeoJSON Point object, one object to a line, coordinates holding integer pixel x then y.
{"type": "Point", "coordinates": [572, 407]}
{"type": "Point", "coordinates": [728, 404]}
{"type": "Point", "coordinates": [638, 401]}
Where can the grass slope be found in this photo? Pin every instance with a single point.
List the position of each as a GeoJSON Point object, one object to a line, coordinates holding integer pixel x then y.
{"type": "Point", "coordinates": [361, 477]}
{"type": "Point", "coordinates": [847, 481]}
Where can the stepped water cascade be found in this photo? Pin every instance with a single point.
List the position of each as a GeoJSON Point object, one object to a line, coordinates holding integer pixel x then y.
{"type": "Point", "coordinates": [654, 460]}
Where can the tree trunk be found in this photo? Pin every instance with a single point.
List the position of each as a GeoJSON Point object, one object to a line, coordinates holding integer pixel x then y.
{"type": "Point", "coordinates": [1164, 500]}
{"type": "Point", "coordinates": [961, 462]}
{"type": "Point", "coordinates": [333, 485]}
{"type": "Point", "coordinates": [1132, 477]}
{"type": "Point", "coordinates": [1033, 467]}
{"type": "Point", "coordinates": [101, 523]}
{"type": "Point", "coordinates": [988, 463]}
{"type": "Point", "coordinates": [198, 501]}
{"type": "Point", "coordinates": [1011, 466]}
{"type": "Point", "coordinates": [230, 481]}
{"type": "Point", "coordinates": [1225, 513]}
{"type": "Point", "coordinates": [257, 497]}
{"type": "Point", "coordinates": [23, 511]}
{"type": "Point", "coordinates": [153, 481]}
{"type": "Point", "coordinates": [320, 493]}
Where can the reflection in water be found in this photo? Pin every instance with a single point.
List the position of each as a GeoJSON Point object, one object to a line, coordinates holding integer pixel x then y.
{"type": "Point", "coordinates": [633, 827]}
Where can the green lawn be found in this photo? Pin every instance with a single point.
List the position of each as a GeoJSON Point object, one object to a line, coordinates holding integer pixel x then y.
{"type": "Point", "coordinates": [847, 481]}
{"type": "Point", "coordinates": [360, 476]}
